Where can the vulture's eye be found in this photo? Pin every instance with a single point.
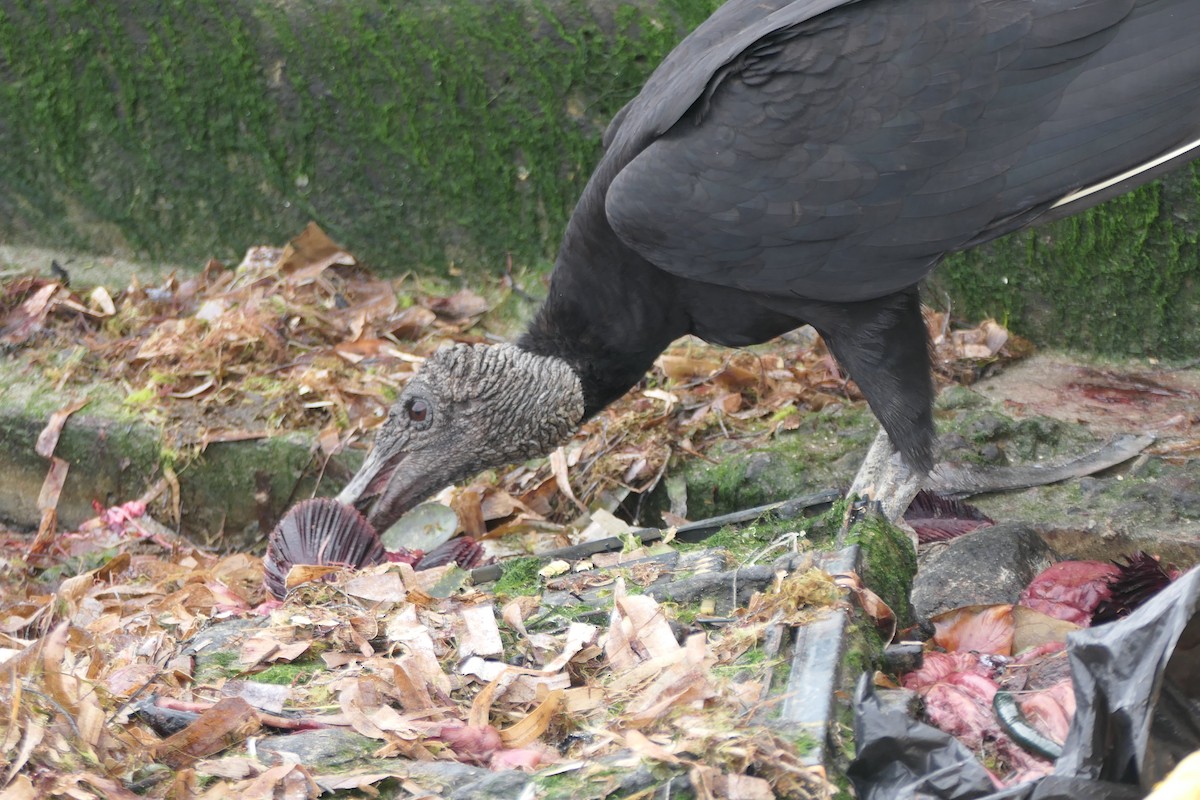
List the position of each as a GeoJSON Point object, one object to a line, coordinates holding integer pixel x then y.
{"type": "Point", "coordinates": [418, 410]}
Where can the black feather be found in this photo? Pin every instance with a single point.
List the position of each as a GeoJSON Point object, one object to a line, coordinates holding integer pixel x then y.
{"type": "Point", "coordinates": [810, 161]}
{"type": "Point", "coordinates": [319, 531]}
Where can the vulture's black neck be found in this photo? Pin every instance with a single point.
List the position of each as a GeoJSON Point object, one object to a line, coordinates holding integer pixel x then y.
{"type": "Point", "coordinates": [605, 314]}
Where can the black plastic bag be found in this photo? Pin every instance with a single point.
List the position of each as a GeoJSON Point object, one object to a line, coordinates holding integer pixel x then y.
{"type": "Point", "coordinates": [1137, 695]}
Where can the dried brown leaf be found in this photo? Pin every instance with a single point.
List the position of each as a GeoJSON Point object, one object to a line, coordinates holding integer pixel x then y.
{"type": "Point", "coordinates": [48, 438]}
{"type": "Point", "coordinates": [236, 767]}
{"type": "Point", "coordinates": [639, 743]}
{"type": "Point", "coordinates": [224, 725]}
{"type": "Point", "coordinates": [362, 780]}
{"type": "Point", "coordinates": [558, 467]}
{"type": "Point", "coordinates": [309, 254]}
{"type": "Point", "coordinates": [28, 318]}
{"type": "Point", "coordinates": [74, 784]}
{"type": "Point", "coordinates": [375, 586]}
{"type": "Point", "coordinates": [479, 634]}
{"type": "Point", "coordinates": [872, 605]}
{"type": "Point", "coordinates": [459, 306]}
{"type": "Point", "coordinates": [32, 737]}
{"type": "Point", "coordinates": [412, 683]}
{"type": "Point", "coordinates": [683, 681]}
{"type": "Point", "coordinates": [285, 781]}
{"type": "Point", "coordinates": [61, 686]}
{"type": "Point", "coordinates": [100, 302]}
{"type": "Point", "coordinates": [264, 648]}
{"type": "Point", "coordinates": [90, 720]}
{"type": "Point", "coordinates": [468, 505]}
{"type": "Point", "coordinates": [52, 486]}
{"type": "Point", "coordinates": [534, 724]}
{"type": "Point", "coordinates": [638, 631]}
{"type": "Point", "coordinates": [984, 629]}
{"type": "Point", "coordinates": [20, 788]}
{"type": "Point", "coordinates": [579, 700]}
{"type": "Point", "coordinates": [684, 368]}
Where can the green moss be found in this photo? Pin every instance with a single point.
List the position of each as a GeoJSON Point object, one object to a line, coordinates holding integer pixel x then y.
{"type": "Point", "coordinates": [864, 652]}
{"type": "Point", "coordinates": [519, 578]}
{"type": "Point", "coordinates": [791, 464]}
{"type": "Point", "coordinates": [563, 785]}
{"type": "Point", "coordinates": [431, 134]}
{"type": "Point", "coordinates": [1123, 278]}
{"type": "Point", "coordinates": [216, 665]}
{"type": "Point", "coordinates": [416, 133]}
{"type": "Point", "coordinates": [143, 398]}
{"type": "Point", "coordinates": [231, 488]}
{"type": "Point", "coordinates": [752, 657]}
{"type": "Point", "coordinates": [73, 565]}
{"type": "Point", "coordinates": [288, 674]}
{"type": "Point", "coordinates": [1025, 440]}
{"type": "Point", "coordinates": [803, 742]}
{"type": "Point", "coordinates": [745, 539]}
{"type": "Point", "coordinates": [224, 659]}
{"type": "Point", "coordinates": [959, 398]}
{"type": "Point", "coordinates": [889, 562]}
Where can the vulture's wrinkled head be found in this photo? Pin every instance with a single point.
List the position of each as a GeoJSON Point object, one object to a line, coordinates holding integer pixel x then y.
{"type": "Point", "coordinates": [470, 408]}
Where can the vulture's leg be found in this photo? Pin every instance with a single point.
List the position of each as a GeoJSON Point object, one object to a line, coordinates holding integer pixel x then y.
{"type": "Point", "coordinates": [884, 346]}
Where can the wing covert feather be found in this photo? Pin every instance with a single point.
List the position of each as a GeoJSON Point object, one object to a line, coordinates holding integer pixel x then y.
{"type": "Point", "coordinates": [840, 156]}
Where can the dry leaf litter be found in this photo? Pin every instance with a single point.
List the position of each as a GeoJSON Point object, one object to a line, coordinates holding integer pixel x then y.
{"type": "Point", "coordinates": [99, 625]}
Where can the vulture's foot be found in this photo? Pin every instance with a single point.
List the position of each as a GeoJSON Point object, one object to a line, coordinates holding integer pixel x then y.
{"type": "Point", "coordinates": [884, 480]}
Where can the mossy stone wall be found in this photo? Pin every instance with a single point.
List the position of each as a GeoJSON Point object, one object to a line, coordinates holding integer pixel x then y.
{"type": "Point", "coordinates": [417, 134]}
{"type": "Point", "coordinates": [424, 135]}
{"type": "Point", "coordinates": [1120, 279]}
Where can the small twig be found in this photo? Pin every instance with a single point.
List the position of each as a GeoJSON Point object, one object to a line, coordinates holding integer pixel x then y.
{"type": "Point", "coordinates": [70, 719]}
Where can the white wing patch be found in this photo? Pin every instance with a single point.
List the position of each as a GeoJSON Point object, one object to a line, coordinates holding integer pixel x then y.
{"type": "Point", "coordinates": [1079, 194]}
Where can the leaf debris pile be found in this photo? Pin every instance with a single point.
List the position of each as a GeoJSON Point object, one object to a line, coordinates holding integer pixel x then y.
{"type": "Point", "coordinates": [113, 681]}
{"type": "Point", "coordinates": [305, 338]}
{"type": "Point", "coordinates": [111, 689]}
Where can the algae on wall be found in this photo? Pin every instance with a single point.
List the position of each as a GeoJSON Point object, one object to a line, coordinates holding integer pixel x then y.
{"type": "Point", "coordinates": [1120, 279]}
{"type": "Point", "coordinates": [415, 133]}
{"type": "Point", "coordinates": [425, 134]}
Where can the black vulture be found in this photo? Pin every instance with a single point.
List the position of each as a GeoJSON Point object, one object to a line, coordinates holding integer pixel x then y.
{"type": "Point", "coordinates": [808, 161]}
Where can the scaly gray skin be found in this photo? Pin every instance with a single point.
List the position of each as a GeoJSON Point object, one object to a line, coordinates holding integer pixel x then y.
{"type": "Point", "coordinates": [484, 406]}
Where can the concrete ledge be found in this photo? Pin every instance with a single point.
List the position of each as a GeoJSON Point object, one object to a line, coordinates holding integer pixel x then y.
{"type": "Point", "coordinates": [229, 493]}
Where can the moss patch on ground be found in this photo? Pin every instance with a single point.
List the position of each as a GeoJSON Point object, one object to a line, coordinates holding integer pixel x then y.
{"type": "Point", "coordinates": [288, 674]}
{"type": "Point", "coordinates": [821, 453]}
{"type": "Point", "coordinates": [519, 578]}
{"type": "Point", "coordinates": [230, 493]}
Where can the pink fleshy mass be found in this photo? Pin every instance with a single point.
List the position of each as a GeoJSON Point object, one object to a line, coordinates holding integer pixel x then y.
{"type": "Point", "coordinates": [1070, 590]}
{"type": "Point", "coordinates": [937, 666]}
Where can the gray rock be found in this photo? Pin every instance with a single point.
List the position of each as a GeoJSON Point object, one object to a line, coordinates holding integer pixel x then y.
{"type": "Point", "coordinates": [320, 749]}
{"type": "Point", "coordinates": [332, 749]}
{"type": "Point", "coordinates": [507, 785]}
{"type": "Point", "coordinates": [990, 565]}
{"type": "Point", "coordinates": [759, 464]}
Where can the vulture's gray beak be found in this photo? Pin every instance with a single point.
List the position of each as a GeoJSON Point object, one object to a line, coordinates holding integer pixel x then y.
{"type": "Point", "coordinates": [393, 479]}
